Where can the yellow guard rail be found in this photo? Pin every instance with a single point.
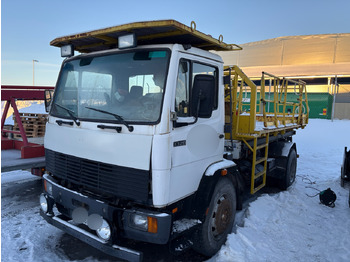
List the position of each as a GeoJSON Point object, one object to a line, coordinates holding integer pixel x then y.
{"type": "Point", "coordinates": [286, 107]}
{"type": "Point", "coordinates": [254, 117]}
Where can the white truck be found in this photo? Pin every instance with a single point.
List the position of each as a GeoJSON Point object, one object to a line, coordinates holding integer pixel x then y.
{"type": "Point", "coordinates": [149, 138]}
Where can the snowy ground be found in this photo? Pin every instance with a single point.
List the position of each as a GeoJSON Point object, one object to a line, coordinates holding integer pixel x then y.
{"type": "Point", "coordinates": [286, 226]}
{"type": "Point", "coordinates": [291, 226]}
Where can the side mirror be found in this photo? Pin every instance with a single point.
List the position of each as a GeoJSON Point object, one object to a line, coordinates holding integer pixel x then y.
{"type": "Point", "coordinates": [227, 80]}
{"type": "Point", "coordinates": [203, 94]}
{"type": "Point", "coordinates": [48, 99]}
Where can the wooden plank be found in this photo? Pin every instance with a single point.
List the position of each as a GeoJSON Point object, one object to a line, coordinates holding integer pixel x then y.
{"type": "Point", "coordinates": [34, 125]}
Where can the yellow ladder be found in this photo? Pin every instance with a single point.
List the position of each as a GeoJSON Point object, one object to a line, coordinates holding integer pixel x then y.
{"type": "Point", "coordinates": [254, 176]}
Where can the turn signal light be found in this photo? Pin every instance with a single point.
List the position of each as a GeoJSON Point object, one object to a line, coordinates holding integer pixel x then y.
{"type": "Point", "coordinates": [152, 225]}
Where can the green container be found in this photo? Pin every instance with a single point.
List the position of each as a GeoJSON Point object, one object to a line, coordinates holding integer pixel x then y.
{"type": "Point", "coordinates": [320, 104]}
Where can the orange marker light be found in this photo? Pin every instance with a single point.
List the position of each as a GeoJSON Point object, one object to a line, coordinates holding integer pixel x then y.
{"type": "Point", "coordinates": [45, 186]}
{"type": "Point", "coordinates": [152, 225]}
{"type": "Point", "coordinates": [174, 210]}
{"type": "Point", "coordinates": [224, 172]}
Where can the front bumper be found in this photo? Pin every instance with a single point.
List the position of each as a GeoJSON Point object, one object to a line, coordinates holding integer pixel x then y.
{"type": "Point", "coordinates": [87, 237]}
{"type": "Point", "coordinates": [119, 219]}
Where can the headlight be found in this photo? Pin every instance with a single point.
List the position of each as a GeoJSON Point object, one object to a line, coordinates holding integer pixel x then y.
{"type": "Point", "coordinates": [144, 223]}
{"type": "Point", "coordinates": [125, 41]}
{"type": "Point", "coordinates": [43, 203]}
{"type": "Point", "coordinates": [139, 221]}
{"type": "Point", "coordinates": [67, 50]}
{"type": "Point", "coordinates": [104, 231]}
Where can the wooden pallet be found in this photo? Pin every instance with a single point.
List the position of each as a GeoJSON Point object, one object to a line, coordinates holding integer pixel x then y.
{"type": "Point", "coordinates": [33, 124]}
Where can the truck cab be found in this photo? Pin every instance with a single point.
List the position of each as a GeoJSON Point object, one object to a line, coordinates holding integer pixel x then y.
{"type": "Point", "coordinates": [133, 112]}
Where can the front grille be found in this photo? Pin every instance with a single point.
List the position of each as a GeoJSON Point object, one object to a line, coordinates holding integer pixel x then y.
{"type": "Point", "coordinates": [118, 181]}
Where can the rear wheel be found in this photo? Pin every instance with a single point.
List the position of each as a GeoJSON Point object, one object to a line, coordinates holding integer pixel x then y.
{"type": "Point", "coordinates": [291, 169]}
{"type": "Point", "coordinates": [219, 219]}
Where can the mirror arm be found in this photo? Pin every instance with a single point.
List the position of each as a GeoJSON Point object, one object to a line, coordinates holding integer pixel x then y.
{"type": "Point", "coordinates": [198, 106]}
{"type": "Point", "coordinates": [176, 124]}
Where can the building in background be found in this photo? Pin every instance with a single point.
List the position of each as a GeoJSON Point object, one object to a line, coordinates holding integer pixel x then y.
{"type": "Point", "coordinates": [322, 61]}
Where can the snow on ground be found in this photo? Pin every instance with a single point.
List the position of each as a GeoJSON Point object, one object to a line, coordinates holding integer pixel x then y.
{"type": "Point", "coordinates": [291, 226]}
{"type": "Point", "coordinates": [17, 176]}
{"type": "Point", "coordinates": [285, 226]}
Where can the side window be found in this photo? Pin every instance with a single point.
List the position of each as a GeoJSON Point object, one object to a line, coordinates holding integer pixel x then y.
{"type": "Point", "coordinates": [207, 70]}
{"type": "Point", "coordinates": [182, 95]}
{"type": "Point", "coordinates": [187, 71]}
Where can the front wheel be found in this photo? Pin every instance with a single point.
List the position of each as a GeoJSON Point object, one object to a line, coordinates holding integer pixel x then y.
{"type": "Point", "coordinates": [219, 219]}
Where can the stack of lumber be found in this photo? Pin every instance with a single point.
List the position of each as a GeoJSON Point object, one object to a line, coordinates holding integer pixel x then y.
{"type": "Point", "coordinates": [33, 124]}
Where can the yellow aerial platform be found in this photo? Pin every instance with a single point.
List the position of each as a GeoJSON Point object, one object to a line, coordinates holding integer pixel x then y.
{"type": "Point", "coordinates": [256, 118]}
{"type": "Point", "coordinates": [251, 117]}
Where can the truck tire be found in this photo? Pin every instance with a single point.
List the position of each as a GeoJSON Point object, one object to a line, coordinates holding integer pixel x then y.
{"type": "Point", "coordinates": [291, 169]}
{"type": "Point", "coordinates": [219, 219]}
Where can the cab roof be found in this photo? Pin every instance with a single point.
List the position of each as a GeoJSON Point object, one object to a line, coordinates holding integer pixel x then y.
{"type": "Point", "coordinates": [147, 33]}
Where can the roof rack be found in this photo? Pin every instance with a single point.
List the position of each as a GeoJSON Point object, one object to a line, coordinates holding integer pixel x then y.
{"type": "Point", "coordinates": [147, 33]}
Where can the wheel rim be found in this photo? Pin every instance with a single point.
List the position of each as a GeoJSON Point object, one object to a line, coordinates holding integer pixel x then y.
{"type": "Point", "coordinates": [221, 216]}
{"type": "Point", "coordinates": [293, 169]}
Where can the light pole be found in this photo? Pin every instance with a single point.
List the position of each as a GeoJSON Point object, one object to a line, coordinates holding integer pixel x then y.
{"type": "Point", "coordinates": [33, 69]}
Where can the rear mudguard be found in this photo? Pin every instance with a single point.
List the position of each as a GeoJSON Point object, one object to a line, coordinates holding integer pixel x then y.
{"type": "Point", "coordinates": [279, 150]}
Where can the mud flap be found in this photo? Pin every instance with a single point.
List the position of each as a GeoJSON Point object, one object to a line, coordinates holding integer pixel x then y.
{"type": "Point", "coordinates": [182, 241]}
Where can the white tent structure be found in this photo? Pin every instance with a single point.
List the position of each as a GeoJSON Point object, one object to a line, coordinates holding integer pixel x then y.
{"type": "Point", "coordinates": [322, 60]}
{"type": "Point", "coordinates": [310, 55]}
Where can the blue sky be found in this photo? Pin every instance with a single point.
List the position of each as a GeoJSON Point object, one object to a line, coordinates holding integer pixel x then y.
{"type": "Point", "coordinates": [28, 26]}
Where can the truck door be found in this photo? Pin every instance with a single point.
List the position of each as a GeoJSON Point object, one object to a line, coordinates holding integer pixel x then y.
{"type": "Point", "coordinates": [195, 144]}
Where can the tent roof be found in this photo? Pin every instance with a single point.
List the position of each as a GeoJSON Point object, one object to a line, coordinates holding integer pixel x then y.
{"type": "Point", "coordinates": [294, 55]}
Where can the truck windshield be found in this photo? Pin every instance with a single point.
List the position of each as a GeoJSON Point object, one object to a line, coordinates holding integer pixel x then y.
{"type": "Point", "coordinates": [128, 84]}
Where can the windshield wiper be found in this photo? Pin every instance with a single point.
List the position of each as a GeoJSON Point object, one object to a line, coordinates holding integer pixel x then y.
{"type": "Point", "coordinates": [118, 117]}
{"type": "Point", "coordinates": [70, 113]}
